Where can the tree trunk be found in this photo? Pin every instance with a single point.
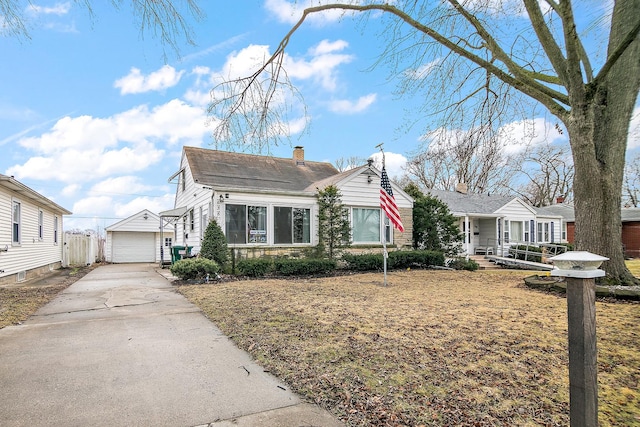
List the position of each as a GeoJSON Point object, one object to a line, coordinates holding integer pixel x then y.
{"type": "Point", "coordinates": [598, 127]}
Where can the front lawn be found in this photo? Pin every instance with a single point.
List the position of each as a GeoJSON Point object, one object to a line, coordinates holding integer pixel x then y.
{"type": "Point", "coordinates": [433, 348]}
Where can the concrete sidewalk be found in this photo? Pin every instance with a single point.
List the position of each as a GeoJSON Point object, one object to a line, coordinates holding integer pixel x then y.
{"type": "Point", "coordinates": [121, 348]}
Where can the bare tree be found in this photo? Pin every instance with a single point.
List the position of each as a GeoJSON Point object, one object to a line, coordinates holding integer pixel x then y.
{"type": "Point", "coordinates": [346, 163]}
{"type": "Point", "coordinates": [164, 18]}
{"type": "Point", "coordinates": [549, 173]}
{"type": "Point", "coordinates": [544, 59]}
{"type": "Point", "coordinates": [474, 157]}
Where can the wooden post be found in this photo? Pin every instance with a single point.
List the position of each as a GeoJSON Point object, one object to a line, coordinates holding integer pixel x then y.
{"type": "Point", "coordinates": [583, 369]}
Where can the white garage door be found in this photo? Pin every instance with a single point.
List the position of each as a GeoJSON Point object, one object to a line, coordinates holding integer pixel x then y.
{"type": "Point", "coordinates": [133, 247]}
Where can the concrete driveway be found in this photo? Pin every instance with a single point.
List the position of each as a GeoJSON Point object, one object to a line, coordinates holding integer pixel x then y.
{"type": "Point", "coordinates": [121, 348]}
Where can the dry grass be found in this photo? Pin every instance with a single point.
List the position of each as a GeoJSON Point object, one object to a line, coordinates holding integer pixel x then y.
{"type": "Point", "coordinates": [433, 348]}
{"type": "Point", "coordinates": [18, 302]}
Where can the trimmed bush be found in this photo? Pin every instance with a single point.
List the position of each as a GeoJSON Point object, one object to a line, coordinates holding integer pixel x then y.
{"type": "Point", "coordinates": [304, 267]}
{"type": "Point", "coordinates": [255, 267]}
{"type": "Point", "coordinates": [194, 268]}
{"type": "Point", "coordinates": [396, 260]}
{"type": "Point", "coordinates": [461, 263]}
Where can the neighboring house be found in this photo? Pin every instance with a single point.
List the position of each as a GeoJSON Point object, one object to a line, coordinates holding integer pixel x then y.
{"type": "Point", "coordinates": [492, 223]}
{"type": "Point", "coordinates": [267, 205]}
{"type": "Point", "coordinates": [138, 239]}
{"type": "Point", "coordinates": [630, 226]}
{"type": "Point", "coordinates": [30, 232]}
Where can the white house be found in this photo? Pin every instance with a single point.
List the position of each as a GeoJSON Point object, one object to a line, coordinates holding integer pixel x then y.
{"type": "Point", "coordinates": [493, 223]}
{"type": "Point", "coordinates": [267, 205]}
{"type": "Point", "coordinates": [138, 239]}
{"type": "Point", "coordinates": [30, 232]}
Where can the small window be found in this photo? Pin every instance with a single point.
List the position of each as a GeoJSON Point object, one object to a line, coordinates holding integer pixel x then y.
{"type": "Point", "coordinates": [507, 225]}
{"type": "Point", "coordinates": [564, 232]}
{"type": "Point", "coordinates": [183, 180]}
{"type": "Point", "coordinates": [40, 224]}
{"type": "Point", "coordinates": [55, 230]}
{"type": "Point", "coordinates": [546, 232]}
{"type": "Point", "coordinates": [192, 221]}
{"type": "Point", "coordinates": [16, 228]}
{"type": "Point", "coordinates": [167, 241]}
{"type": "Point", "coordinates": [540, 235]}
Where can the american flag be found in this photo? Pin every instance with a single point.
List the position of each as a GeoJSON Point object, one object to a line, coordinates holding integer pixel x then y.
{"type": "Point", "coordinates": [388, 202]}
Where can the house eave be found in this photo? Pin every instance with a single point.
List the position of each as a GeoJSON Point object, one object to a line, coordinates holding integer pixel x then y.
{"type": "Point", "coordinates": [17, 187]}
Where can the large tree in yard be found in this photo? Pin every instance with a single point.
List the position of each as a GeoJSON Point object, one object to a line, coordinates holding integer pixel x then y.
{"type": "Point", "coordinates": [495, 53]}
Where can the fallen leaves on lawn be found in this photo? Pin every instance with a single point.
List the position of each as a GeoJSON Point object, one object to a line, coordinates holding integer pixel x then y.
{"type": "Point", "coordinates": [434, 348]}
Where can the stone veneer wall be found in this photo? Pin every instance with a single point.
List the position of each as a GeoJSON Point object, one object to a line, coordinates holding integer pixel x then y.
{"type": "Point", "coordinates": [34, 273]}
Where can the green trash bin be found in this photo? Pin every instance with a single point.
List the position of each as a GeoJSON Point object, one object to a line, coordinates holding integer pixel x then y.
{"type": "Point", "coordinates": [180, 252]}
{"type": "Point", "coordinates": [176, 253]}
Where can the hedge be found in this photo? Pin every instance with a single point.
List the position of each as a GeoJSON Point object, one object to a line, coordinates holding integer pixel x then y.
{"type": "Point", "coordinates": [194, 268]}
{"type": "Point", "coordinates": [396, 260]}
{"type": "Point", "coordinates": [255, 267]}
{"type": "Point", "coordinates": [302, 267]}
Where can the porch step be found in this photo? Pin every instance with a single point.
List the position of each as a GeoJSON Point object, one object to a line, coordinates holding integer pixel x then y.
{"type": "Point", "coordinates": [484, 264]}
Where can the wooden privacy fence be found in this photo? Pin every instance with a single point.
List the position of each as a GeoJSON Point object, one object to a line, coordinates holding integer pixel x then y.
{"type": "Point", "coordinates": [82, 249]}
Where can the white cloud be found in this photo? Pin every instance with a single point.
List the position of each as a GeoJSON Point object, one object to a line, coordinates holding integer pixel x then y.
{"type": "Point", "coordinates": [320, 65]}
{"type": "Point", "coordinates": [154, 204]}
{"type": "Point", "coordinates": [87, 148]}
{"type": "Point", "coordinates": [350, 107]}
{"type": "Point", "coordinates": [424, 70]}
{"type": "Point", "coordinates": [58, 9]}
{"type": "Point", "coordinates": [394, 163]}
{"type": "Point", "coordinates": [121, 185]}
{"type": "Point", "coordinates": [71, 190]}
{"type": "Point", "coordinates": [136, 82]}
{"type": "Point", "coordinates": [290, 12]}
{"type": "Point", "coordinates": [93, 206]}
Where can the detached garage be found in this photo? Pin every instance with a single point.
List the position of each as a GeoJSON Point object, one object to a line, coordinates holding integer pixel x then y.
{"type": "Point", "coordinates": [136, 239]}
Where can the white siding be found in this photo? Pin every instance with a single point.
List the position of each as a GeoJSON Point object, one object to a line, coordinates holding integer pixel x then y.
{"type": "Point", "coordinates": [359, 192]}
{"type": "Point", "coordinates": [32, 252]}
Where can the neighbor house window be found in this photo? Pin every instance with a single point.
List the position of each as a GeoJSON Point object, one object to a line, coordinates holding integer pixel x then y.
{"type": "Point", "coordinates": [546, 232]}
{"type": "Point", "coordinates": [168, 241]}
{"type": "Point", "coordinates": [516, 231]}
{"type": "Point", "coordinates": [246, 224]}
{"type": "Point", "coordinates": [183, 181]}
{"type": "Point", "coordinates": [564, 232]}
{"type": "Point", "coordinates": [40, 224]}
{"type": "Point", "coordinates": [192, 221]}
{"type": "Point", "coordinates": [366, 225]}
{"type": "Point", "coordinates": [507, 225]}
{"type": "Point", "coordinates": [540, 235]}
{"type": "Point", "coordinates": [55, 230]}
{"type": "Point", "coordinates": [15, 219]}
{"type": "Point", "coordinates": [291, 225]}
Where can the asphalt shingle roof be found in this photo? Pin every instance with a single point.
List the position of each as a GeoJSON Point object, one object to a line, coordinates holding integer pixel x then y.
{"type": "Point", "coordinates": [223, 169]}
{"type": "Point", "coordinates": [471, 203]}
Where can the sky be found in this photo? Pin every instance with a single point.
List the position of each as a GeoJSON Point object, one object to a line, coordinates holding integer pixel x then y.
{"type": "Point", "coordinates": [94, 114]}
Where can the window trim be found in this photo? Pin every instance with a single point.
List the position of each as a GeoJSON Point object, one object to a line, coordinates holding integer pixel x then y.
{"type": "Point", "coordinates": [16, 226]}
{"type": "Point", "coordinates": [381, 229]}
{"type": "Point", "coordinates": [40, 224]}
{"type": "Point", "coordinates": [55, 229]}
{"type": "Point", "coordinates": [291, 208]}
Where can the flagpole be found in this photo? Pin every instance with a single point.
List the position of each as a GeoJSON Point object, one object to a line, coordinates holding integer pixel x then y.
{"type": "Point", "coordinates": [385, 255]}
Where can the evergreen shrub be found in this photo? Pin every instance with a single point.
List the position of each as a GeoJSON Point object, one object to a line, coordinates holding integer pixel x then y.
{"type": "Point", "coordinates": [255, 267]}
{"type": "Point", "coordinates": [194, 268]}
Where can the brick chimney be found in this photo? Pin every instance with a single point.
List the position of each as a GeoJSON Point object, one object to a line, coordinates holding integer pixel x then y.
{"type": "Point", "coordinates": [298, 155]}
{"type": "Point", "coordinates": [461, 188]}
{"type": "Point", "coordinates": [560, 200]}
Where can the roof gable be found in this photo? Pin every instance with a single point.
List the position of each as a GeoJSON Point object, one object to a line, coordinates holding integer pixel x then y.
{"type": "Point", "coordinates": [145, 220]}
{"type": "Point", "coordinates": [248, 172]}
{"type": "Point", "coordinates": [516, 203]}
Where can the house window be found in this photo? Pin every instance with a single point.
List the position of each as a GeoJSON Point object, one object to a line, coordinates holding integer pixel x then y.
{"type": "Point", "coordinates": [563, 237]}
{"type": "Point", "coordinates": [540, 235]}
{"type": "Point", "coordinates": [516, 231]}
{"type": "Point", "coordinates": [55, 230]}
{"type": "Point", "coordinates": [168, 241]}
{"type": "Point", "coordinates": [366, 225]}
{"type": "Point", "coordinates": [192, 223]}
{"type": "Point", "coordinates": [15, 217]}
{"type": "Point", "coordinates": [291, 225]}
{"type": "Point", "coordinates": [40, 224]}
{"type": "Point", "coordinates": [546, 232]}
{"type": "Point", "coordinates": [507, 225]}
{"type": "Point", "coordinates": [246, 224]}
{"type": "Point", "coordinates": [183, 181]}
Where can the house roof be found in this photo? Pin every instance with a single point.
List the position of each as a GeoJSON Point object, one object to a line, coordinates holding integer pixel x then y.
{"type": "Point", "coordinates": [16, 186]}
{"type": "Point", "coordinates": [471, 203]}
{"type": "Point", "coordinates": [150, 221]}
{"type": "Point", "coordinates": [339, 177]}
{"type": "Point", "coordinates": [563, 209]}
{"type": "Point", "coordinates": [226, 170]}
